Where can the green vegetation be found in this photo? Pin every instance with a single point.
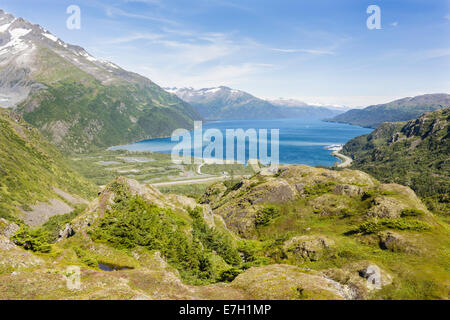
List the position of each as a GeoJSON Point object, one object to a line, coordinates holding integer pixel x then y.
{"type": "Point", "coordinates": [377, 225]}
{"type": "Point", "coordinates": [79, 113]}
{"type": "Point", "coordinates": [30, 168]}
{"type": "Point", "coordinates": [34, 240]}
{"type": "Point", "coordinates": [56, 223]}
{"type": "Point", "coordinates": [414, 154]}
{"type": "Point", "coordinates": [266, 215]}
{"type": "Point", "coordinates": [133, 223]}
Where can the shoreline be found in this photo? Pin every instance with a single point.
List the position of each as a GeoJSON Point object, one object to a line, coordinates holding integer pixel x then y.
{"type": "Point", "coordinates": [345, 161]}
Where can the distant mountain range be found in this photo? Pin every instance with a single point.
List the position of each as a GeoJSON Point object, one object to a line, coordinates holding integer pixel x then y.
{"type": "Point", "coordinates": [226, 103]}
{"type": "Point", "coordinates": [399, 110]}
{"type": "Point", "coordinates": [77, 101]}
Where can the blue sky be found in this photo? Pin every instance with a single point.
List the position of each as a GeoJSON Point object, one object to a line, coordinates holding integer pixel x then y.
{"type": "Point", "coordinates": [319, 51]}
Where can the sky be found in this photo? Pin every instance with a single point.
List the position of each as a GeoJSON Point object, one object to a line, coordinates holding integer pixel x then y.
{"type": "Point", "coordinates": [317, 51]}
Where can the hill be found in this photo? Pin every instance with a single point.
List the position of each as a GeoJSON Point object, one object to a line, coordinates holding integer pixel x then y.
{"type": "Point", "coordinates": [221, 103]}
{"type": "Point", "coordinates": [77, 101]}
{"type": "Point", "coordinates": [304, 233]}
{"type": "Point", "coordinates": [414, 153]}
{"type": "Point", "coordinates": [35, 180]}
{"type": "Point", "coordinates": [399, 110]}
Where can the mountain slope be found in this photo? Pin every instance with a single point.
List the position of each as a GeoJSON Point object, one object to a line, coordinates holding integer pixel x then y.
{"type": "Point", "coordinates": [32, 172]}
{"type": "Point", "coordinates": [306, 233]}
{"type": "Point", "coordinates": [226, 103]}
{"type": "Point", "coordinates": [77, 101]}
{"type": "Point", "coordinates": [399, 110]}
{"type": "Point", "coordinates": [415, 153]}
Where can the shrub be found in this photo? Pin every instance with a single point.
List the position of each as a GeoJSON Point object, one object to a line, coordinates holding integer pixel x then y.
{"type": "Point", "coordinates": [34, 240]}
{"type": "Point", "coordinates": [412, 213]}
{"type": "Point", "coordinates": [213, 239]}
{"type": "Point", "coordinates": [229, 275]}
{"type": "Point", "coordinates": [132, 222]}
{"type": "Point", "coordinates": [265, 216]}
{"type": "Point", "coordinates": [375, 226]}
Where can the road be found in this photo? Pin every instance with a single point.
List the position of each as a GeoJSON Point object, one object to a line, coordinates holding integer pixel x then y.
{"type": "Point", "coordinates": [346, 161]}
{"type": "Point", "coordinates": [192, 181]}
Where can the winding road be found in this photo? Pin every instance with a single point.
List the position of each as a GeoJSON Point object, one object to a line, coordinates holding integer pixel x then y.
{"type": "Point", "coordinates": [346, 161]}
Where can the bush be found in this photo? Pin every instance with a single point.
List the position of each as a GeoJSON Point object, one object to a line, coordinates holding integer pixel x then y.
{"type": "Point", "coordinates": [412, 213]}
{"type": "Point", "coordinates": [213, 239]}
{"type": "Point", "coordinates": [132, 222]}
{"type": "Point", "coordinates": [229, 275]}
{"type": "Point", "coordinates": [265, 216]}
{"type": "Point", "coordinates": [34, 240]}
{"type": "Point", "coordinates": [375, 226]}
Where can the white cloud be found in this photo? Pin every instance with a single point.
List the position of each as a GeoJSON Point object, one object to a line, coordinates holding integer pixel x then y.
{"type": "Point", "coordinates": [394, 24]}
{"type": "Point", "coordinates": [308, 51]}
{"type": "Point", "coordinates": [113, 11]}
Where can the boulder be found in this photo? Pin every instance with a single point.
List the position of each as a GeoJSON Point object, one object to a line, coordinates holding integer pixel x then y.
{"type": "Point", "coordinates": [385, 207]}
{"type": "Point", "coordinates": [65, 233]}
{"type": "Point", "coordinates": [308, 247]}
{"type": "Point", "coordinates": [8, 229]}
{"type": "Point", "coordinates": [395, 242]}
{"type": "Point", "coordinates": [285, 282]}
{"type": "Point", "coordinates": [348, 190]}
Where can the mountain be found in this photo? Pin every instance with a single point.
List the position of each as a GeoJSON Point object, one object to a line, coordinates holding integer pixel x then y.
{"type": "Point", "coordinates": [398, 110]}
{"type": "Point", "coordinates": [77, 101]}
{"type": "Point", "coordinates": [414, 153]}
{"type": "Point", "coordinates": [226, 103]}
{"type": "Point", "coordinates": [35, 180]}
{"type": "Point", "coordinates": [303, 234]}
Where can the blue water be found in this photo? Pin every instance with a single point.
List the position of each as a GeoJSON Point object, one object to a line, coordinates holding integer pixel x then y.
{"type": "Point", "coordinates": [302, 141]}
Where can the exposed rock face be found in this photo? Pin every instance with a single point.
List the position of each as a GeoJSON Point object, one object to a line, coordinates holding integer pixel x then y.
{"type": "Point", "coordinates": [42, 211]}
{"type": "Point", "coordinates": [396, 242]}
{"type": "Point", "coordinates": [65, 233]}
{"type": "Point", "coordinates": [308, 247]}
{"type": "Point", "coordinates": [327, 193]}
{"type": "Point", "coordinates": [14, 257]}
{"type": "Point", "coordinates": [348, 190]}
{"type": "Point", "coordinates": [286, 282]}
{"type": "Point", "coordinates": [384, 207]}
{"type": "Point", "coordinates": [8, 229]}
{"type": "Point", "coordinates": [363, 278]}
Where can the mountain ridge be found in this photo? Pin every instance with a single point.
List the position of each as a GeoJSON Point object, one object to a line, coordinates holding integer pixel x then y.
{"type": "Point", "coordinates": [404, 109]}
{"type": "Point", "coordinates": [77, 101]}
{"type": "Point", "coordinates": [219, 103]}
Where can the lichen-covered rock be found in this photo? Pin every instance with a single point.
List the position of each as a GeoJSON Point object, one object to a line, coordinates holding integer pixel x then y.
{"type": "Point", "coordinates": [308, 247]}
{"type": "Point", "coordinates": [66, 232]}
{"type": "Point", "coordinates": [285, 282]}
{"type": "Point", "coordinates": [396, 242]}
{"type": "Point", "coordinates": [8, 228]}
{"type": "Point", "coordinates": [364, 278]}
{"type": "Point", "coordinates": [348, 190]}
{"type": "Point", "coordinates": [386, 207]}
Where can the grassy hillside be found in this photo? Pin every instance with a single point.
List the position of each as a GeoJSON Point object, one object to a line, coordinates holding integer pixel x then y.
{"type": "Point", "coordinates": [305, 233]}
{"type": "Point", "coordinates": [415, 154]}
{"type": "Point", "coordinates": [31, 167]}
{"type": "Point", "coordinates": [399, 110]}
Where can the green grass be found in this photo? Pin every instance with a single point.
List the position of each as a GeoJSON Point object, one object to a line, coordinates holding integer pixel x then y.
{"type": "Point", "coordinates": [30, 168]}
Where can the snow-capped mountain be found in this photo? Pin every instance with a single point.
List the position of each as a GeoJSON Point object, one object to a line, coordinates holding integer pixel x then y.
{"type": "Point", "coordinates": [77, 100]}
{"type": "Point", "coordinates": [226, 103]}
